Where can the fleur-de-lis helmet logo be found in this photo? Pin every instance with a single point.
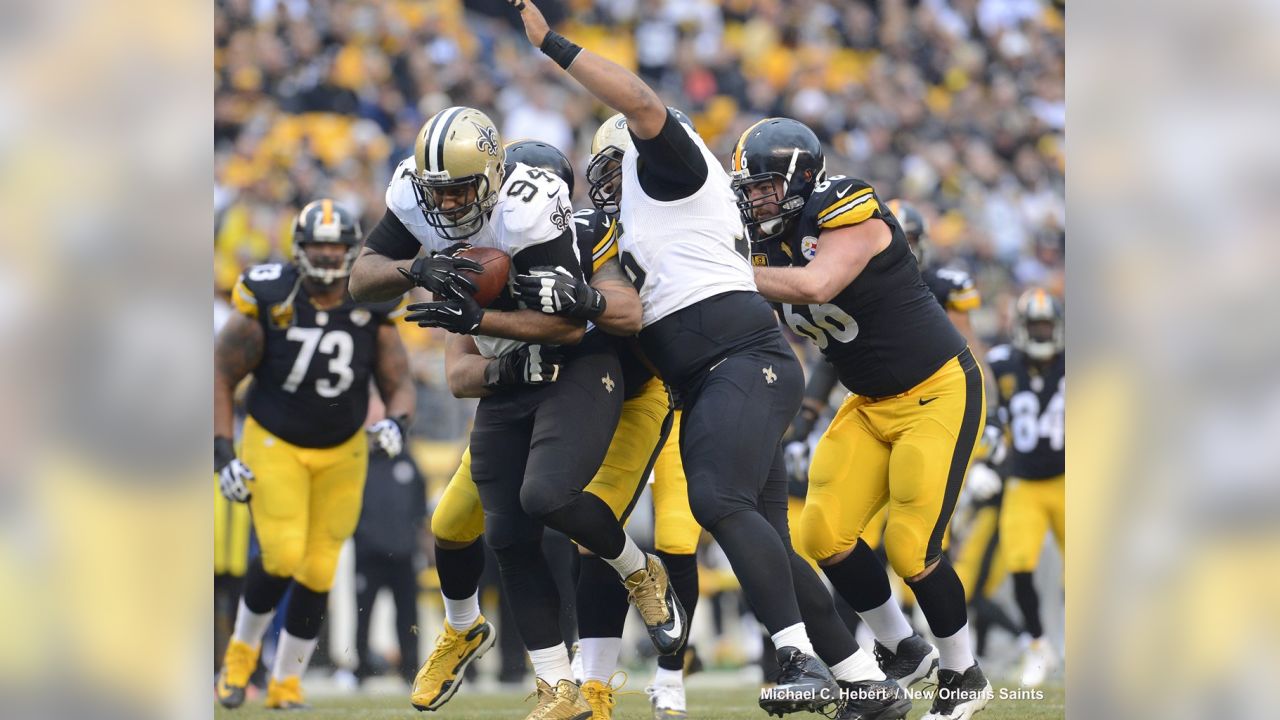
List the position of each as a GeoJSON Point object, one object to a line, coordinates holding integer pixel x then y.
{"type": "Point", "coordinates": [487, 142]}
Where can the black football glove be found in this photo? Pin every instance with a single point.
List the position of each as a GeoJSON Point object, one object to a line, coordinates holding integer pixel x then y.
{"type": "Point", "coordinates": [438, 272]}
{"type": "Point", "coordinates": [233, 475]}
{"type": "Point", "coordinates": [555, 291]}
{"type": "Point", "coordinates": [527, 365]}
{"type": "Point", "coordinates": [461, 315]}
{"type": "Point", "coordinates": [387, 435]}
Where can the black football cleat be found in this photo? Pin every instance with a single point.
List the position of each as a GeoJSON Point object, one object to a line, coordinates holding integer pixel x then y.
{"type": "Point", "coordinates": [914, 661]}
{"type": "Point", "coordinates": [960, 694]}
{"type": "Point", "coordinates": [872, 700]}
{"type": "Point", "coordinates": [805, 684]}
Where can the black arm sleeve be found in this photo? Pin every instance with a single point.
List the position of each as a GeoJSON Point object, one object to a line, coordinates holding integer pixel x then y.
{"type": "Point", "coordinates": [670, 166]}
{"type": "Point", "coordinates": [558, 252]}
{"type": "Point", "coordinates": [392, 239]}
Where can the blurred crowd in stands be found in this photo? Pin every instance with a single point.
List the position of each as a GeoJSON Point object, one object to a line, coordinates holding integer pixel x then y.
{"type": "Point", "coordinates": [954, 105]}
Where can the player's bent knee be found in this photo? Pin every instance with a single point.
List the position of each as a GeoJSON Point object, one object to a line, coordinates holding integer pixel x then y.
{"type": "Point", "coordinates": [539, 497]}
{"type": "Point", "coordinates": [457, 529]}
{"type": "Point", "coordinates": [905, 550]}
{"type": "Point", "coordinates": [283, 559]}
{"type": "Point", "coordinates": [316, 571]}
{"type": "Point", "coordinates": [815, 537]}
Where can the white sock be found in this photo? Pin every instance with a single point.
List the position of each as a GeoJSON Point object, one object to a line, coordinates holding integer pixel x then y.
{"type": "Point", "coordinates": [631, 559]}
{"type": "Point", "coordinates": [794, 636]}
{"type": "Point", "coordinates": [462, 614]}
{"type": "Point", "coordinates": [888, 623]}
{"type": "Point", "coordinates": [858, 666]}
{"type": "Point", "coordinates": [551, 664]}
{"type": "Point", "coordinates": [668, 677]}
{"type": "Point", "coordinates": [954, 652]}
{"type": "Point", "coordinates": [599, 657]}
{"type": "Point", "coordinates": [251, 626]}
{"type": "Point", "coordinates": [292, 656]}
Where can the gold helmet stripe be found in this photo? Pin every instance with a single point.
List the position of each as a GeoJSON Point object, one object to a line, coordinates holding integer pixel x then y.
{"type": "Point", "coordinates": [435, 137]}
{"type": "Point", "coordinates": [326, 214]}
{"type": "Point", "coordinates": [742, 143]}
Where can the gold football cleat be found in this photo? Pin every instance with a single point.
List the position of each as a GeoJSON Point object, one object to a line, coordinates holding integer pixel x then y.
{"type": "Point", "coordinates": [442, 674]}
{"type": "Point", "coordinates": [237, 665]}
{"type": "Point", "coordinates": [285, 694]}
{"type": "Point", "coordinates": [564, 702]}
{"type": "Point", "coordinates": [651, 592]}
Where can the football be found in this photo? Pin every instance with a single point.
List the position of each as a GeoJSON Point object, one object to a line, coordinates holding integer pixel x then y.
{"type": "Point", "coordinates": [490, 283]}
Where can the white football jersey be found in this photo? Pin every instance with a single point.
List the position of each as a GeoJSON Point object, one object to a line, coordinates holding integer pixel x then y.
{"type": "Point", "coordinates": [682, 251]}
{"type": "Point", "coordinates": [531, 210]}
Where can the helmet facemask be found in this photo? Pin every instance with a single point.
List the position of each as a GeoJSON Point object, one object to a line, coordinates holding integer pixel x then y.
{"type": "Point", "coordinates": [323, 273]}
{"type": "Point", "coordinates": [1039, 330]}
{"type": "Point", "coordinates": [324, 223]}
{"type": "Point", "coordinates": [604, 180]}
{"type": "Point", "coordinates": [461, 220]}
{"type": "Point", "coordinates": [767, 214]}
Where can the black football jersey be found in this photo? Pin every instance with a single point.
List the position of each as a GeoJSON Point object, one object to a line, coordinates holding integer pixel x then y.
{"type": "Point", "coordinates": [952, 288]}
{"type": "Point", "coordinates": [597, 234]}
{"type": "Point", "coordinates": [884, 333]}
{"type": "Point", "coordinates": [1032, 400]}
{"type": "Point", "coordinates": [312, 386]}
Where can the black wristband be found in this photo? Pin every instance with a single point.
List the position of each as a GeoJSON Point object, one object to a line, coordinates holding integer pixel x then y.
{"type": "Point", "coordinates": [403, 422]}
{"type": "Point", "coordinates": [493, 374]}
{"type": "Point", "coordinates": [559, 48]}
{"type": "Point", "coordinates": [224, 451]}
{"type": "Point", "coordinates": [595, 305]}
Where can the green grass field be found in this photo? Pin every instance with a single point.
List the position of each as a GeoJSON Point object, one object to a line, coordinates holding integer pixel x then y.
{"type": "Point", "coordinates": [704, 704]}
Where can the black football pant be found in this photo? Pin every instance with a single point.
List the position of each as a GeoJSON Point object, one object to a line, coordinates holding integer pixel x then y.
{"type": "Point", "coordinates": [734, 418]}
{"type": "Point", "coordinates": [533, 451]}
{"type": "Point", "coordinates": [375, 571]}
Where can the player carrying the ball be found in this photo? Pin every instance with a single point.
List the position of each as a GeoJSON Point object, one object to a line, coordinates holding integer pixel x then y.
{"type": "Point", "coordinates": [534, 447]}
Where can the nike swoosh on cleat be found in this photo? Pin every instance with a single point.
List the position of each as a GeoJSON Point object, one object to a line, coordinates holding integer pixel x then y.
{"type": "Point", "coordinates": [674, 632]}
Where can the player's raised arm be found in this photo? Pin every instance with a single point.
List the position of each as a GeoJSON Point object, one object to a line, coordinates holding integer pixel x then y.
{"type": "Point", "coordinates": [613, 84]}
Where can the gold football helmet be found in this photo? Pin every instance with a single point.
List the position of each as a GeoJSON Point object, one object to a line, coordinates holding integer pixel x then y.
{"type": "Point", "coordinates": [604, 172]}
{"type": "Point", "coordinates": [459, 158]}
{"type": "Point", "coordinates": [1038, 329]}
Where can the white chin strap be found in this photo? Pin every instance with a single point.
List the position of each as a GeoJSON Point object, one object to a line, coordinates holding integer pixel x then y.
{"type": "Point", "coordinates": [1041, 350]}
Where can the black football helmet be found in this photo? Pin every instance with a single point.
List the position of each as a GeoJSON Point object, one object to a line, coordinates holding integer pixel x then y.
{"type": "Point", "coordinates": [913, 226]}
{"type": "Point", "coordinates": [324, 221]}
{"type": "Point", "coordinates": [776, 155]}
{"type": "Point", "coordinates": [536, 153]}
{"type": "Point", "coordinates": [682, 118]}
{"type": "Point", "coordinates": [1038, 329]}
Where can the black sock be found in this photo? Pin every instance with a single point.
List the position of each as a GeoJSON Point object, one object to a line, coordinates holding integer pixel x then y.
{"type": "Point", "coordinates": [1024, 591]}
{"type": "Point", "coordinates": [262, 592]}
{"type": "Point", "coordinates": [759, 559]}
{"type": "Point", "coordinates": [860, 579]}
{"type": "Point", "coordinates": [602, 600]}
{"type": "Point", "coordinates": [941, 597]}
{"type": "Point", "coordinates": [305, 613]}
{"type": "Point", "coordinates": [588, 521]}
{"type": "Point", "coordinates": [535, 601]}
{"type": "Point", "coordinates": [683, 571]}
{"type": "Point", "coordinates": [460, 570]}
{"type": "Point", "coordinates": [831, 638]}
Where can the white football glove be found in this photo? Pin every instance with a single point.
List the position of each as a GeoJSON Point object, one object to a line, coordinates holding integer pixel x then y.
{"type": "Point", "coordinates": [387, 436]}
{"type": "Point", "coordinates": [234, 481]}
{"type": "Point", "coordinates": [983, 482]}
{"type": "Point", "coordinates": [796, 455]}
